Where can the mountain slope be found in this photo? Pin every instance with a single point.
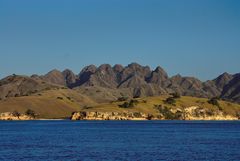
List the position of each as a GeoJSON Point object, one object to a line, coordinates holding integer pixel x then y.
{"type": "Point", "coordinates": [16, 86]}
{"type": "Point", "coordinates": [137, 80]}
{"type": "Point", "coordinates": [56, 103]}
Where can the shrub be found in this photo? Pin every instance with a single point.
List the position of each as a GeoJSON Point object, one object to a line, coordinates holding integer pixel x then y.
{"type": "Point", "coordinates": [60, 98]}
{"type": "Point", "coordinates": [124, 105]}
{"type": "Point", "coordinates": [30, 113]}
{"type": "Point", "coordinates": [238, 115]}
{"type": "Point", "coordinates": [47, 88]}
{"type": "Point", "coordinates": [129, 104]}
{"type": "Point", "coordinates": [166, 112]}
{"type": "Point", "coordinates": [210, 112]}
{"type": "Point", "coordinates": [137, 114]}
{"type": "Point", "coordinates": [220, 108]}
{"type": "Point", "coordinates": [144, 101]}
{"type": "Point", "coordinates": [135, 102]}
{"type": "Point", "coordinates": [176, 95]}
{"type": "Point", "coordinates": [87, 107]}
{"type": "Point", "coordinates": [170, 100]}
{"type": "Point", "coordinates": [149, 117]}
{"type": "Point", "coordinates": [17, 95]}
{"type": "Point", "coordinates": [123, 98]}
{"type": "Point", "coordinates": [136, 96]}
{"type": "Point", "coordinates": [16, 114]}
{"type": "Point", "coordinates": [214, 101]}
{"type": "Point", "coordinates": [178, 115]}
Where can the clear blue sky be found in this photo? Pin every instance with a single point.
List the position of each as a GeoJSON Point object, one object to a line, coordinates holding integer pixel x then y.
{"type": "Point", "coordinates": [198, 38]}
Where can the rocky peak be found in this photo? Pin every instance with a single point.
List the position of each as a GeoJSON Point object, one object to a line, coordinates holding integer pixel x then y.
{"type": "Point", "coordinates": [158, 76]}
{"type": "Point", "coordinates": [134, 68]}
{"type": "Point", "coordinates": [55, 77]}
{"type": "Point", "coordinates": [222, 80]}
{"type": "Point", "coordinates": [133, 81]}
{"type": "Point", "coordinates": [89, 69]}
{"type": "Point", "coordinates": [16, 86]}
{"type": "Point", "coordinates": [86, 73]}
{"type": "Point", "coordinates": [176, 79]}
{"type": "Point", "coordinates": [105, 68]}
{"type": "Point", "coordinates": [232, 89]}
{"type": "Point", "coordinates": [70, 77]}
{"type": "Point", "coordinates": [118, 68]}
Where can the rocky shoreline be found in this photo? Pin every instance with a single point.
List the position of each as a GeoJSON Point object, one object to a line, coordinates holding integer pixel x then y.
{"type": "Point", "coordinates": [162, 113]}
{"type": "Point", "coordinates": [190, 113]}
{"type": "Point", "coordinates": [12, 116]}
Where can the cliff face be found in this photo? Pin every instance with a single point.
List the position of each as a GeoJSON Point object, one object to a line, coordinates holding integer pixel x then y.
{"type": "Point", "coordinates": [198, 113]}
{"type": "Point", "coordinates": [11, 116]}
{"type": "Point", "coordinates": [189, 113]}
{"type": "Point", "coordinates": [141, 81]}
{"type": "Point", "coordinates": [83, 115]}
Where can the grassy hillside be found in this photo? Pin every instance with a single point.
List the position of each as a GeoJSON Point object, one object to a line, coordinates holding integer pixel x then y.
{"type": "Point", "coordinates": [148, 105]}
{"type": "Point", "coordinates": [62, 102]}
{"type": "Point", "coordinates": [48, 104]}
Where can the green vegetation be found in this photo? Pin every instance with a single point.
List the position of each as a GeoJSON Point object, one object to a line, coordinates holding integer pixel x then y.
{"type": "Point", "coordinates": [136, 96]}
{"type": "Point", "coordinates": [149, 117]}
{"type": "Point", "coordinates": [16, 95]}
{"type": "Point", "coordinates": [30, 113]}
{"type": "Point", "coordinates": [122, 99]}
{"type": "Point", "coordinates": [176, 95]}
{"type": "Point", "coordinates": [87, 107]}
{"type": "Point", "coordinates": [129, 104]}
{"type": "Point", "coordinates": [137, 114]}
{"type": "Point", "coordinates": [170, 101]}
{"type": "Point", "coordinates": [167, 113]}
{"type": "Point", "coordinates": [48, 106]}
{"type": "Point", "coordinates": [215, 101]}
{"type": "Point", "coordinates": [238, 115]}
{"type": "Point", "coordinates": [16, 113]}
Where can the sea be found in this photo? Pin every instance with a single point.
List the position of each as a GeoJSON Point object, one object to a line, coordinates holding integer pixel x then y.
{"type": "Point", "coordinates": [65, 140]}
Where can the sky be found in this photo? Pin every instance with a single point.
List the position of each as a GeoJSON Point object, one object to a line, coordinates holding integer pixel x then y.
{"type": "Point", "coordinates": [199, 38]}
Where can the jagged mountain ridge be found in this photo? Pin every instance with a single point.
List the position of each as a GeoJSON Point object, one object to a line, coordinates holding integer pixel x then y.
{"type": "Point", "coordinates": [141, 81]}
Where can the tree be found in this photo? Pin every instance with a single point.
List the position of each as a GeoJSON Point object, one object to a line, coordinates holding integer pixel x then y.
{"type": "Point", "coordinates": [149, 117]}
{"type": "Point", "coordinates": [170, 100]}
{"type": "Point", "coordinates": [30, 113]}
{"type": "Point", "coordinates": [122, 98]}
{"type": "Point", "coordinates": [16, 114]}
{"type": "Point", "coordinates": [176, 95]}
{"type": "Point", "coordinates": [124, 105]}
{"type": "Point", "coordinates": [214, 101]}
{"type": "Point", "coordinates": [129, 104]}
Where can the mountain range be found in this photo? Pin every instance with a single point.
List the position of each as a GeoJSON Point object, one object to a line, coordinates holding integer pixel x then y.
{"type": "Point", "coordinates": [108, 83]}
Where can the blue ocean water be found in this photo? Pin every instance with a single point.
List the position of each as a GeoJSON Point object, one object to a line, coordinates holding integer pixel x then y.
{"type": "Point", "coordinates": [119, 140]}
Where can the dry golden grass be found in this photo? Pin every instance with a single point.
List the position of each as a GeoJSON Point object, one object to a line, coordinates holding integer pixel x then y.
{"type": "Point", "coordinates": [62, 102]}
{"type": "Point", "coordinates": [48, 104]}
{"type": "Point", "coordinates": [146, 105]}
